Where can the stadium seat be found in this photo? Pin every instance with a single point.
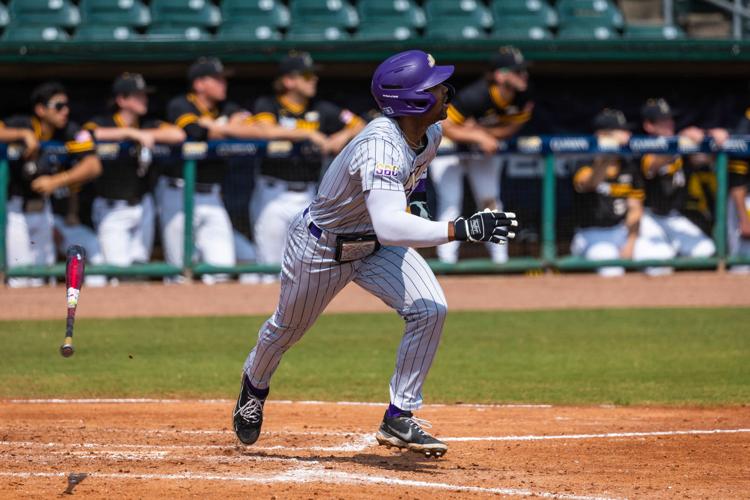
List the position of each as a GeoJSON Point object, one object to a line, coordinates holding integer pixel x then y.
{"type": "Point", "coordinates": [90, 32]}
{"type": "Point", "coordinates": [461, 13]}
{"type": "Point", "coordinates": [313, 32]}
{"type": "Point", "coordinates": [185, 13]}
{"type": "Point", "coordinates": [584, 32]}
{"type": "Point", "coordinates": [186, 33]}
{"type": "Point", "coordinates": [332, 13]}
{"type": "Point", "coordinates": [394, 12]}
{"type": "Point", "coordinates": [659, 32]}
{"type": "Point", "coordinates": [115, 13]}
{"type": "Point", "coordinates": [255, 13]}
{"type": "Point", "coordinates": [15, 33]}
{"type": "Point", "coordinates": [4, 16]}
{"type": "Point", "coordinates": [385, 32]}
{"type": "Point", "coordinates": [60, 13]}
{"type": "Point", "coordinates": [454, 30]}
{"type": "Point", "coordinates": [521, 32]}
{"type": "Point", "coordinates": [537, 20]}
{"type": "Point", "coordinates": [248, 32]}
{"type": "Point", "coordinates": [537, 11]}
{"type": "Point", "coordinates": [590, 13]}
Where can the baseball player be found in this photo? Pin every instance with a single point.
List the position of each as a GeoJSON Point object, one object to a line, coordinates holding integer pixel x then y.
{"type": "Point", "coordinates": [41, 174]}
{"type": "Point", "coordinates": [609, 202]}
{"type": "Point", "coordinates": [738, 205]}
{"type": "Point", "coordinates": [287, 185]}
{"type": "Point", "coordinates": [204, 114]}
{"type": "Point", "coordinates": [666, 189]}
{"type": "Point", "coordinates": [357, 229]}
{"type": "Point", "coordinates": [493, 108]}
{"type": "Point", "coordinates": [123, 210]}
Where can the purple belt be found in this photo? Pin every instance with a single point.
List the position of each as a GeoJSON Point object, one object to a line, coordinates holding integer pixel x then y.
{"type": "Point", "coordinates": [314, 230]}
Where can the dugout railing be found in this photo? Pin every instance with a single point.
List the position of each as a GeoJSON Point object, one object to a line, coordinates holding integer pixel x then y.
{"type": "Point", "coordinates": [547, 147]}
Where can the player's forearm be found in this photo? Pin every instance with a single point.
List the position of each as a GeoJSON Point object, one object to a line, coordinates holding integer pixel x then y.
{"type": "Point", "coordinates": [394, 226]}
{"type": "Point", "coordinates": [654, 162]}
{"type": "Point", "coordinates": [634, 215]}
{"type": "Point", "coordinates": [12, 134]}
{"type": "Point", "coordinates": [502, 132]}
{"type": "Point", "coordinates": [463, 134]}
{"type": "Point", "coordinates": [168, 134]}
{"type": "Point", "coordinates": [88, 168]}
{"type": "Point", "coordinates": [597, 174]}
{"type": "Point", "coordinates": [114, 134]}
{"type": "Point", "coordinates": [738, 195]}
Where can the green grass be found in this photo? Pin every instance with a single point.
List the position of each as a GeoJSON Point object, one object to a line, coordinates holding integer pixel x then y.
{"type": "Point", "coordinates": [667, 356]}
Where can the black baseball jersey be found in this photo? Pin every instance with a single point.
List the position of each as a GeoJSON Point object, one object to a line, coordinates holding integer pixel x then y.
{"type": "Point", "coordinates": [666, 190]}
{"type": "Point", "coordinates": [607, 205]}
{"type": "Point", "coordinates": [319, 115]}
{"type": "Point", "coordinates": [185, 111]}
{"type": "Point", "coordinates": [739, 168]}
{"type": "Point", "coordinates": [483, 102]}
{"type": "Point", "coordinates": [122, 178]}
{"type": "Point", "coordinates": [77, 143]}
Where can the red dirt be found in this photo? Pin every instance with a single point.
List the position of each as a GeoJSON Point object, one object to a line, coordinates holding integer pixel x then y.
{"type": "Point", "coordinates": [706, 289]}
{"type": "Point", "coordinates": [119, 445]}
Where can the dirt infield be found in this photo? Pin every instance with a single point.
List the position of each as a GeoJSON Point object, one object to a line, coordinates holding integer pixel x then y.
{"type": "Point", "coordinates": [327, 450]}
{"type": "Point", "coordinates": [705, 289]}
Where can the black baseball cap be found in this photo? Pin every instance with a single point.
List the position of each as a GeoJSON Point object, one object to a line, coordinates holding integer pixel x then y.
{"type": "Point", "coordinates": [611, 119]}
{"type": "Point", "coordinates": [130, 83]}
{"type": "Point", "coordinates": [207, 66]}
{"type": "Point", "coordinates": [656, 109]}
{"type": "Point", "coordinates": [508, 57]}
{"type": "Point", "coordinates": [297, 62]}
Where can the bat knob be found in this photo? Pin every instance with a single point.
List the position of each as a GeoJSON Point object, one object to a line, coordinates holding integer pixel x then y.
{"type": "Point", "coordinates": [66, 350]}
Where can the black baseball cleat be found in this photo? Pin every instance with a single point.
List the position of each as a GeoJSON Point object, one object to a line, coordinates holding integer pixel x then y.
{"type": "Point", "coordinates": [248, 415]}
{"type": "Point", "coordinates": [405, 431]}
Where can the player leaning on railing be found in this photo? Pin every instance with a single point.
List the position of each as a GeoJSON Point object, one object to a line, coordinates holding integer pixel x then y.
{"type": "Point", "coordinates": [123, 210]}
{"type": "Point", "coordinates": [666, 180]}
{"type": "Point", "coordinates": [609, 202]}
{"type": "Point", "coordinates": [40, 173]}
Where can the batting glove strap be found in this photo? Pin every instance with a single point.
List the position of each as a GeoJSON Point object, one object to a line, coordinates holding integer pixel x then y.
{"type": "Point", "coordinates": [489, 225]}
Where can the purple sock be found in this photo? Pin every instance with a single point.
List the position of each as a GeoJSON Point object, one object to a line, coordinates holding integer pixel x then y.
{"type": "Point", "coordinates": [258, 393]}
{"type": "Point", "coordinates": [394, 411]}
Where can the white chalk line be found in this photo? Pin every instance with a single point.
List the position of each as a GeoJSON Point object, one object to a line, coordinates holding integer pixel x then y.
{"type": "Point", "coordinates": [228, 401]}
{"type": "Point", "coordinates": [153, 456]}
{"type": "Point", "coordinates": [597, 436]}
{"type": "Point", "coordinates": [315, 475]}
{"type": "Point", "coordinates": [361, 442]}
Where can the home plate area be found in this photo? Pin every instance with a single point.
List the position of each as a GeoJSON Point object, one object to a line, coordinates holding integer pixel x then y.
{"type": "Point", "coordinates": [149, 448]}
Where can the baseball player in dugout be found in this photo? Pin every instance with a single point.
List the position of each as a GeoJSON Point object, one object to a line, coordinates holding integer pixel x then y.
{"type": "Point", "coordinates": [738, 205]}
{"type": "Point", "coordinates": [493, 108]}
{"type": "Point", "coordinates": [609, 202]}
{"type": "Point", "coordinates": [666, 181]}
{"type": "Point", "coordinates": [286, 185]}
{"type": "Point", "coordinates": [204, 114]}
{"type": "Point", "coordinates": [40, 174]}
{"type": "Point", "coordinates": [123, 210]}
{"type": "Point", "coordinates": [357, 229]}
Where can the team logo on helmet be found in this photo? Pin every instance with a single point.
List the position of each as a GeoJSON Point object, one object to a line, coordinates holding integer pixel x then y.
{"type": "Point", "coordinates": [430, 60]}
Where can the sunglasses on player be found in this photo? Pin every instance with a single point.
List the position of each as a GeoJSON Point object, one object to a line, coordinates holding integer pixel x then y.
{"type": "Point", "coordinates": [58, 105]}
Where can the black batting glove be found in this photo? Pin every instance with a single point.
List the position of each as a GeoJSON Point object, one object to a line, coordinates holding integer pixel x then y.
{"type": "Point", "coordinates": [489, 225]}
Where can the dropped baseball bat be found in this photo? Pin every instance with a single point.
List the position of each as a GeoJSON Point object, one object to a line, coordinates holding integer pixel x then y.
{"type": "Point", "coordinates": [74, 271]}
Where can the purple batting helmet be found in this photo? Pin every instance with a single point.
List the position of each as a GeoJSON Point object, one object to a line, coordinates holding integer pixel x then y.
{"type": "Point", "coordinates": [399, 84]}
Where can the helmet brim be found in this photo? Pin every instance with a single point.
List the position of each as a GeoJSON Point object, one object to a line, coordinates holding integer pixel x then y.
{"type": "Point", "coordinates": [439, 75]}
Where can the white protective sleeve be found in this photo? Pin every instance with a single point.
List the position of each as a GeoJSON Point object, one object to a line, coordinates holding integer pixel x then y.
{"type": "Point", "coordinates": [394, 226]}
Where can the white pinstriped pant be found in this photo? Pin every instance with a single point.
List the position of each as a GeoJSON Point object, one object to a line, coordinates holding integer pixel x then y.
{"type": "Point", "coordinates": [311, 277]}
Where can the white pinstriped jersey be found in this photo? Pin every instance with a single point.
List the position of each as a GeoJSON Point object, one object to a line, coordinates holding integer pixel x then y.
{"type": "Point", "coordinates": [377, 158]}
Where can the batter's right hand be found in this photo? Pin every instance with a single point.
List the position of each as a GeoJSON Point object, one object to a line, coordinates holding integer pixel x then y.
{"type": "Point", "coordinates": [489, 145]}
{"type": "Point", "coordinates": [489, 225]}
